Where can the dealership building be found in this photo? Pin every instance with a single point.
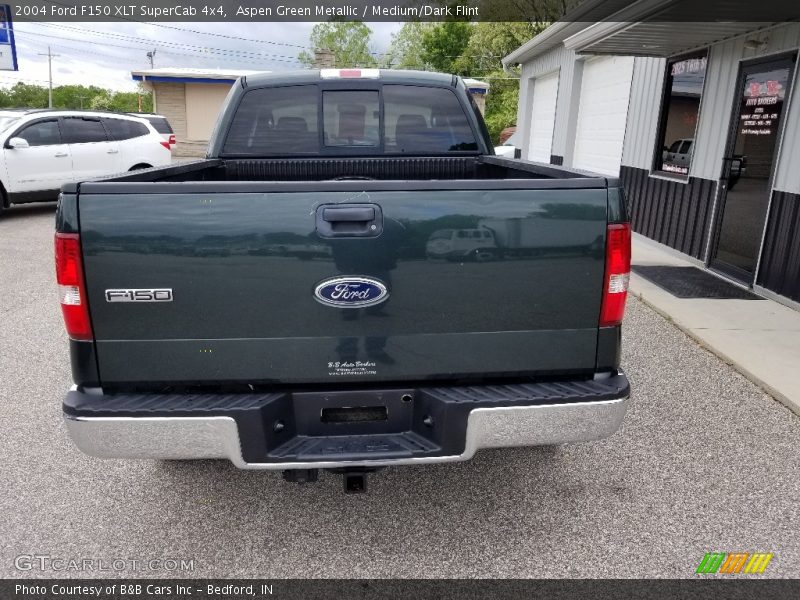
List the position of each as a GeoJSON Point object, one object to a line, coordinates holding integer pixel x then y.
{"type": "Point", "coordinates": [699, 118]}
{"type": "Point", "coordinates": [191, 100]}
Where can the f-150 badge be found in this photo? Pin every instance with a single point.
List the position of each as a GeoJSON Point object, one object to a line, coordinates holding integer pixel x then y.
{"type": "Point", "coordinates": [351, 292]}
{"type": "Point", "coordinates": [140, 295]}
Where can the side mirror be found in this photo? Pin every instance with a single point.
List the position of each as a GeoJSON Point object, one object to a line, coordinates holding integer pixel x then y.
{"type": "Point", "coordinates": [18, 142]}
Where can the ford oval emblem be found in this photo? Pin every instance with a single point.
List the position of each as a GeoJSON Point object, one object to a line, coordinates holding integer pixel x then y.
{"type": "Point", "coordinates": [351, 292]}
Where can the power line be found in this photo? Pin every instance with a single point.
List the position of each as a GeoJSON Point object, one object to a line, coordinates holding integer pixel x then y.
{"type": "Point", "coordinates": [182, 46]}
{"type": "Point", "coordinates": [163, 51]}
{"type": "Point", "coordinates": [219, 35]}
{"type": "Point", "coordinates": [230, 37]}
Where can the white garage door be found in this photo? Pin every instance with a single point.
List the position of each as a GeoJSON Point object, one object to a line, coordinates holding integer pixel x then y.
{"type": "Point", "coordinates": [543, 116]}
{"type": "Point", "coordinates": [602, 112]}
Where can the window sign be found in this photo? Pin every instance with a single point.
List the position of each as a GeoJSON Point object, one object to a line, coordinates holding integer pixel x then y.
{"type": "Point", "coordinates": [762, 102]}
{"type": "Point", "coordinates": [679, 113]}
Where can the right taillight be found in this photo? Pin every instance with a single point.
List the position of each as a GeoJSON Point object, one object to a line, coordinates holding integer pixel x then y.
{"type": "Point", "coordinates": [618, 272]}
{"type": "Point", "coordinates": [71, 289]}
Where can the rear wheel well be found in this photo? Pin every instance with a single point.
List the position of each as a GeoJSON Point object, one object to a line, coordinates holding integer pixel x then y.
{"type": "Point", "coordinates": [4, 203]}
{"type": "Point", "coordinates": [140, 166]}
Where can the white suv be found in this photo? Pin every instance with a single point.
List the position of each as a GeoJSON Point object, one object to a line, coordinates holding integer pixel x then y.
{"type": "Point", "coordinates": [42, 149]}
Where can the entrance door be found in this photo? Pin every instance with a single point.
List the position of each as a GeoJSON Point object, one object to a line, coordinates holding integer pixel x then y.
{"type": "Point", "coordinates": [762, 92]}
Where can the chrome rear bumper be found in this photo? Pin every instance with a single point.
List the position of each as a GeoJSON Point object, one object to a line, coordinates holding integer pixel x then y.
{"type": "Point", "coordinates": [206, 437]}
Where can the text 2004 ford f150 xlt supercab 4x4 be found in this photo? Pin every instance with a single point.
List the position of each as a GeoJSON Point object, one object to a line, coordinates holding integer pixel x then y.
{"type": "Point", "coordinates": [281, 303]}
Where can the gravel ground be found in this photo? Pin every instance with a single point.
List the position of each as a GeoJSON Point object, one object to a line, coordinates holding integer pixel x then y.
{"type": "Point", "coordinates": [705, 461]}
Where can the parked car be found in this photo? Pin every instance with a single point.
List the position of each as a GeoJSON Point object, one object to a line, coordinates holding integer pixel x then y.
{"type": "Point", "coordinates": [161, 125]}
{"type": "Point", "coordinates": [678, 156]}
{"type": "Point", "coordinates": [462, 244]}
{"type": "Point", "coordinates": [43, 149]}
{"type": "Point", "coordinates": [510, 148]}
{"type": "Point", "coordinates": [191, 337]}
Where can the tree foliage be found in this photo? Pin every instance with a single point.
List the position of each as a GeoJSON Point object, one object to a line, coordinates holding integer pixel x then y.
{"type": "Point", "coordinates": [444, 43]}
{"type": "Point", "coordinates": [348, 40]}
{"type": "Point", "coordinates": [405, 49]}
{"type": "Point", "coordinates": [25, 95]}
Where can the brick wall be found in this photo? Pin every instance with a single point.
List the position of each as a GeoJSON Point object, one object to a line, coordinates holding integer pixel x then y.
{"type": "Point", "coordinates": [171, 102]}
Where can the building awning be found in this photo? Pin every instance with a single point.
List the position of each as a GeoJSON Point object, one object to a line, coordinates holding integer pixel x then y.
{"type": "Point", "coordinates": [186, 75]}
{"type": "Point", "coordinates": [660, 28]}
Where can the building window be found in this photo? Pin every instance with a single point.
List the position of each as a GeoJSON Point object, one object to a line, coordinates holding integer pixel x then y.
{"type": "Point", "coordinates": [679, 112]}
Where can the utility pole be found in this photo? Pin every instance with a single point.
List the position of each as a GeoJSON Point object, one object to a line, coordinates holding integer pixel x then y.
{"type": "Point", "coordinates": [49, 56]}
{"type": "Point", "coordinates": [151, 56]}
{"type": "Point", "coordinates": [82, 98]}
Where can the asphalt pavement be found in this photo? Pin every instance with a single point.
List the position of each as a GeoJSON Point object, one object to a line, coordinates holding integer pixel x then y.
{"type": "Point", "coordinates": [705, 461]}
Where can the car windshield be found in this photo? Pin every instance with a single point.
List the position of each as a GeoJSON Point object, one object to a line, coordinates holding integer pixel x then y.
{"type": "Point", "coordinates": [6, 122]}
{"type": "Point", "coordinates": [512, 140]}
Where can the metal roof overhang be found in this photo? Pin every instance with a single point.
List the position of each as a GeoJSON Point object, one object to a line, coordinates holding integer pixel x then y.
{"type": "Point", "coordinates": [665, 28]}
{"type": "Point", "coordinates": [584, 15]}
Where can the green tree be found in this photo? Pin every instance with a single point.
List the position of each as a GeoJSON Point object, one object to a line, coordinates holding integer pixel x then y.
{"type": "Point", "coordinates": [74, 96]}
{"type": "Point", "coordinates": [444, 43]}
{"type": "Point", "coordinates": [26, 95]}
{"type": "Point", "coordinates": [501, 103]}
{"type": "Point", "coordinates": [349, 41]}
{"type": "Point", "coordinates": [482, 59]}
{"type": "Point", "coordinates": [101, 102]}
{"type": "Point", "coordinates": [405, 49]}
{"type": "Point", "coordinates": [490, 42]}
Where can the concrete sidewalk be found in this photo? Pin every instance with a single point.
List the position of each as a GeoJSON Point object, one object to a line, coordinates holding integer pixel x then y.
{"type": "Point", "coordinates": [760, 338]}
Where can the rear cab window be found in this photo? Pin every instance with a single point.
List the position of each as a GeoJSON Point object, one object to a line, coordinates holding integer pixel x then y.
{"type": "Point", "coordinates": [390, 119]}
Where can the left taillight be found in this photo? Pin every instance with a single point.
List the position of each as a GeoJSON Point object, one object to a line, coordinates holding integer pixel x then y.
{"type": "Point", "coordinates": [166, 145]}
{"type": "Point", "coordinates": [618, 272]}
{"type": "Point", "coordinates": [71, 287]}
{"type": "Point", "coordinates": [172, 141]}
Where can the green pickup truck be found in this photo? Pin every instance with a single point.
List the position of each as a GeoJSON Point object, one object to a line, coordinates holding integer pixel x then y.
{"type": "Point", "coordinates": [278, 304]}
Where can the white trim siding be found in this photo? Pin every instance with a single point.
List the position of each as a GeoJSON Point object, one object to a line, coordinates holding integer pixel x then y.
{"type": "Point", "coordinates": [560, 60]}
{"type": "Point", "coordinates": [641, 132]}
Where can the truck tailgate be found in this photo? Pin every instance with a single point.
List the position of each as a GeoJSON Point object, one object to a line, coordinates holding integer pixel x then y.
{"type": "Point", "coordinates": [242, 268]}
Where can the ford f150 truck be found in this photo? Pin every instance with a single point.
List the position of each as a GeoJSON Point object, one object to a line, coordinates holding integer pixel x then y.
{"type": "Point", "coordinates": [275, 305]}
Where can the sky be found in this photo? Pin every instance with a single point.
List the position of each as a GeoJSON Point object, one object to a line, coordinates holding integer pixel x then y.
{"type": "Point", "coordinates": [104, 54]}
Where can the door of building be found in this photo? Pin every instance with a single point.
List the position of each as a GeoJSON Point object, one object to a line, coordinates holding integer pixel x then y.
{"type": "Point", "coordinates": [762, 93]}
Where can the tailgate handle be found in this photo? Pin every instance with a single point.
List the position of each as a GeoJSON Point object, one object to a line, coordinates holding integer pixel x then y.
{"type": "Point", "coordinates": [349, 220]}
{"type": "Point", "coordinates": [356, 215]}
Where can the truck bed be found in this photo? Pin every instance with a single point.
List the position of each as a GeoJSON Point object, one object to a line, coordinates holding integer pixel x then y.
{"type": "Point", "coordinates": [467, 168]}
